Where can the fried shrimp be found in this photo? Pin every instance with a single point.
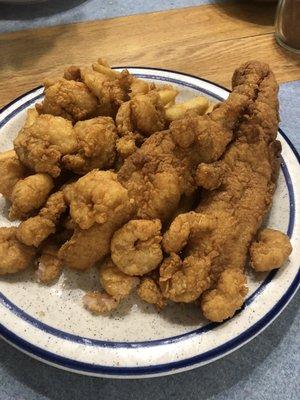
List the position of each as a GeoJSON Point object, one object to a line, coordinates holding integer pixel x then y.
{"type": "Point", "coordinates": [12, 170]}
{"type": "Point", "coordinates": [41, 145]}
{"type": "Point", "coordinates": [270, 251]}
{"type": "Point", "coordinates": [150, 292]}
{"type": "Point", "coordinates": [183, 228]}
{"type": "Point", "coordinates": [96, 145]}
{"type": "Point", "coordinates": [115, 282]}
{"type": "Point", "coordinates": [35, 230]}
{"type": "Point", "coordinates": [100, 303]}
{"type": "Point", "coordinates": [228, 296]}
{"type": "Point", "coordinates": [14, 255]}
{"type": "Point", "coordinates": [49, 266]}
{"type": "Point", "coordinates": [68, 99]}
{"type": "Point", "coordinates": [184, 281]}
{"type": "Point", "coordinates": [135, 248]}
{"type": "Point", "coordinates": [96, 198]}
{"type": "Point", "coordinates": [30, 194]}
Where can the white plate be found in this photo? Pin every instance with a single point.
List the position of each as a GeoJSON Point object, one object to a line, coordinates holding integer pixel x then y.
{"type": "Point", "coordinates": [50, 324]}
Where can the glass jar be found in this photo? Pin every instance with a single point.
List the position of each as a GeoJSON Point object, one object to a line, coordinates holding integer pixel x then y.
{"type": "Point", "coordinates": [287, 25]}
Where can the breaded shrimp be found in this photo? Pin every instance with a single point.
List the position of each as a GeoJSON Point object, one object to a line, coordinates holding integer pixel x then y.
{"type": "Point", "coordinates": [14, 255]}
{"type": "Point", "coordinates": [30, 194]}
{"type": "Point", "coordinates": [100, 303]}
{"type": "Point", "coordinates": [184, 281]}
{"type": "Point", "coordinates": [97, 197]}
{"type": "Point", "coordinates": [35, 230]}
{"type": "Point", "coordinates": [68, 99]}
{"type": "Point", "coordinates": [49, 266]}
{"type": "Point", "coordinates": [115, 282]}
{"type": "Point", "coordinates": [12, 170]}
{"type": "Point", "coordinates": [270, 251]}
{"type": "Point", "coordinates": [41, 145]}
{"type": "Point", "coordinates": [135, 248]}
{"type": "Point", "coordinates": [151, 293]}
{"type": "Point", "coordinates": [228, 296]}
{"type": "Point", "coordinates": [96, 145]}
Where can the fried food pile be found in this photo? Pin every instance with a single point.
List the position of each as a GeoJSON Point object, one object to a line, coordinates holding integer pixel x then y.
{"type": "Point", "coordinates": [164, 198]}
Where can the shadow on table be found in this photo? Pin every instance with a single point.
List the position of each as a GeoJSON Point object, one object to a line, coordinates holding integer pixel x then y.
{"type": "Point", "coordinates": [256, 12]}
{"type": "Point", "coordinates": [36, 10]}
{"type": "Point", "coordinates": [201, 383]}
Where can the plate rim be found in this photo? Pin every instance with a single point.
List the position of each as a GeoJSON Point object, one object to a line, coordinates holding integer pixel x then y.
{"type": "Point", "coordinates": [159, 369]}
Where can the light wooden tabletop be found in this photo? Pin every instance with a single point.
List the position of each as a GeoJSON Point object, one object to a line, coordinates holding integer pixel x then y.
{"type": "Point", "coordinates": [209, 41]}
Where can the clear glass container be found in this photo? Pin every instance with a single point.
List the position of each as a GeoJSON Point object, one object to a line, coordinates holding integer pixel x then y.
{"type": "Point", "coordinates": [287, 24]}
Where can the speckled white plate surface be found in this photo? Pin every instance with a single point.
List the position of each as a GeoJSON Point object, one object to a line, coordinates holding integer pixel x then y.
{"type": "Point", "coordinates": [50, 324]}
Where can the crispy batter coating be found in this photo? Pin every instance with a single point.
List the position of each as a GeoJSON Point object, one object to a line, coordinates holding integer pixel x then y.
{"type": "Point", "coordinates": [35, 230]}
{"type": "Point", "coordinates": [87, 246]}
{"type": "Point", "coordinates": [68, 99]}
{"type": "Point", "coordinates": [239, 204]}
{"type": "Point", "coordinates": [99, 205]}
{"type": "Point", "coordinates": [14, 255]}
{"type": "Point", "coordinates": [110, 92]}
{"type": "Point", "coordinates": [126, 145]}
{"type": "Point", "coordinates": [139, 86]}
{"type": "Point", "coordinates": [184, 227]}
{"type": "Point", "coordinates": [135, 248]}
{"type": "Point", "coordinates": [41, 145]}
{"type": "Point", "coordinates": [163, 169]}
{"type": "Point", "coordinates": [222, 302]}
{"type": "Point", "coordinates": [210, 176]}
{"type": "Point", "coordinates": [150, 293]}
{"type": "Point", "coordinates": [11, 172]}
{"type": "Point", "coordinates": [145, 114]}
{"type": "Point", "coordinates": [97, 197]}
{"type": "Point", "coordinates": [49, 266]}
{"type": "Point", "coordinates": [271, 250]}
{"type": "Point", "coordinates": [184, 281]}
{"type": "Point", "coordinates": [115, 282]}
{"type": "Point", "coordinates": [100, 303]}
{"type": "Point", "coordinates": [96, 145]}
{"type": "Point", "coordinates": [30, 194]}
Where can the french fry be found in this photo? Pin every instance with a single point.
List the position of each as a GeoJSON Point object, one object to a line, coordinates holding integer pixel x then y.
{"type": "Point", "coordinates": [199, 104]}
{"type": "Point", "coordinates": [167, 95]}
{"type": "Point", "coordinates": [105, 70]}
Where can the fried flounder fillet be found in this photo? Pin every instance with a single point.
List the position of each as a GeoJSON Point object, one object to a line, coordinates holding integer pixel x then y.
{"type": "Point", "coordinates": [163, 169]}
{"type": "Point", "coordinates": [228, 218]}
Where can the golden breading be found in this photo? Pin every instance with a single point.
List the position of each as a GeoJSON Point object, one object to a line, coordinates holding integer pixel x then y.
{"type": "Point", "coordinates": [11, 172]}
{"type": "Point", "coordinates": [184, 281]}
{"type": "Point", "coordinates": [30, 194]}
{"type": "Point", "coordinates": [222, 302]}
{"type": "Point", "coordinates": [163, 169]}
{"type": "Point", "coordinates": [96, 145]}
{"type": "Point", "coordinates": [144, 114]}
{"type": "Point", "coordinates": [35, 230]}
{"type": "Point", "coordinates": [271, 250]}
{"type": "Point", "coordinates": [100, 303]}
{"type": "Point", "coordinates": [115, 282]}
{"type": "Point", "coordinates": [109, 92]}
{"type": "Point", "coordinates": [237, 207]}
{"type": "Point", "coordinates": [97, 197]}
{"type": "Point", "coordinates": [135, 248]}
{"type": "Point", "coordinates": [68, 99]}
{"type": "Point", "coordinates": [49, 266]}
{"type": "Point", "coordinates": [14, 255]}
{"type": "Point", "coordinates": [150, 293]}
{"type": "Point", "coordinates": [41, 145]}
